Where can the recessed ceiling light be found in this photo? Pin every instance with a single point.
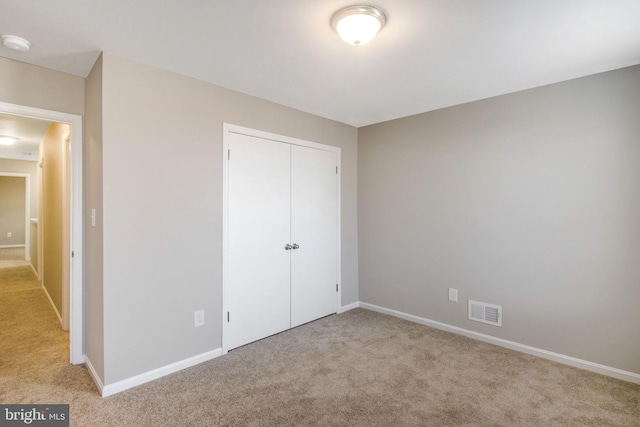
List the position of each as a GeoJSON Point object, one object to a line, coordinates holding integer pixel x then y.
{"type": "Point", "coordinates": [358, 25]}
{"type": "Point", "coordinates": [7, 140]}
{"type": "Point", "coordinates": [16, 43]}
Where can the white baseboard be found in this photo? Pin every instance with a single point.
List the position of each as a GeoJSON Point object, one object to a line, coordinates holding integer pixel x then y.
{"type": "Point", "coordinates": [122, 385]}
{"type": "Point", "coordinates": [34, 270]}
{"type": "Point", "coordinates": [94, 374]}
{"type": "Point", "coordinates": [11, 246]}
{"type": "Point", "coordinates": [55, 310]}
{"type": "Point", "coordinates": [620, 374]}
{"type": "Point", "coordinates": [349, 307]}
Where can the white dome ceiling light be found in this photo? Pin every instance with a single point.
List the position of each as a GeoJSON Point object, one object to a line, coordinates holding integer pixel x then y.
{"type": "Point", "coordinates": [7, 140]}
{"type": "Point", "coordinates": [358, 25]}
{"type": "Point", "coordinates": [16, 43]}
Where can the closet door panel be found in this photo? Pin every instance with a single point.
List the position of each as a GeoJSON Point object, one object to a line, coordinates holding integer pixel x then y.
{"type": "Point", "coordinates": [258, 292]}
{"type": "Point", "coordinates": [314, 229]}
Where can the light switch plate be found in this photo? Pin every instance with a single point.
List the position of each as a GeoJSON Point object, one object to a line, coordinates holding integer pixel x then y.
{"type": "Point", "coordinates": [453, 295]}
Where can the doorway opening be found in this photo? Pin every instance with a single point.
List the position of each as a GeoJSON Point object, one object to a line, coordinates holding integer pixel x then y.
{"type": "Point", "coordinates": [71, 202]}
{"type": "Point", "coordinates": [15, 214]}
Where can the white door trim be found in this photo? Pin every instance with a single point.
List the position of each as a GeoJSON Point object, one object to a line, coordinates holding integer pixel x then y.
{"type": "Point", "coordinates": [227, 129]}
{"type": "Point", "coordinates": [76, 326]}
{"type": "Point", "coordinates": [66, 230]}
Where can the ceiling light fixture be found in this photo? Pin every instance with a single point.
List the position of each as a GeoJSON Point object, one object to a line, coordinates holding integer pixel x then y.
{"type": "Point", "coordinates": [358, 25]}
{"type": "Point", "coordinates": [7, 140]}
{"type": "Point", "coordinates": [16, 43]}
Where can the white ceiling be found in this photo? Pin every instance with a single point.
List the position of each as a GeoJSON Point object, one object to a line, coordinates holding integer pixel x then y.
{"type": "Point", "coordinates": [30, 133]}
{"type": "Point", "coordinates": [431, 54]}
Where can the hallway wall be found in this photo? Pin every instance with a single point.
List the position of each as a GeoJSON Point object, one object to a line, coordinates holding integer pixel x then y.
{"type": "Point", "coordinates": [52, 212]}
{"type": "Point", "coordinates": [12, 210]}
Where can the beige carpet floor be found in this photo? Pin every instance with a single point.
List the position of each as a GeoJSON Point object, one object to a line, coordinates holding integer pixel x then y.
{"type": "Point", "coordinates": [358, 368]}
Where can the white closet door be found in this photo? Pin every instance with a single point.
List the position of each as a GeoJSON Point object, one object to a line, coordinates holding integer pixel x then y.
{"type": "Point", "coordinates": [258, 289]}
{"type": "Point", "coordinates": [314, 230]}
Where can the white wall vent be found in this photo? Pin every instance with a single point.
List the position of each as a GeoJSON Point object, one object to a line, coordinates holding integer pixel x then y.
{"type": "Point", "coordinates": [485, 313]}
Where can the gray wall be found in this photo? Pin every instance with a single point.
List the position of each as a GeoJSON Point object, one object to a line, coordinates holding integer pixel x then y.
{"type": "Point", "coordinates": [93, 294]}
{"type": "Point", "coordinates": [162, 208]}
{"type": "Point", "coordinates": [25, 167]}
{"type": "Point", "coordinates": [529, 200]}
{"type": "Point", "coordinates": [33, 86]}
{"type": "Point", "coordinates": [12, 214]}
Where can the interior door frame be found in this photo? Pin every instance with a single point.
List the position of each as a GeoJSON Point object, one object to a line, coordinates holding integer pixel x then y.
{"type": "Point", "coordinates": [76, 210]}
{"type": "Point", "coordinates": [227, 129]}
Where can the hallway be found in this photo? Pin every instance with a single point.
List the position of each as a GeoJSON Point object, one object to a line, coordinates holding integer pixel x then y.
{"type": "Point", "coordinates": [34, 354]}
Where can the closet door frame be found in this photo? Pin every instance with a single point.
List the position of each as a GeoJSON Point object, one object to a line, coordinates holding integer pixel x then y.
{"type": "Point", "coordinates": [229, 129]}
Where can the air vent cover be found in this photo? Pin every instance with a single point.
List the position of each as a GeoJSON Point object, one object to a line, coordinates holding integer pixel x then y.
{"type": "Point", "coordinates": [485, 313]}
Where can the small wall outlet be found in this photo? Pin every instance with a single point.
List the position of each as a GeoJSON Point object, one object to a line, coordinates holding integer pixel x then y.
{"type": "Point", "coordinates": [198, 318]}
{"type": "Point", "coordinates": [453, 295]}
{"type": "Point", "coordinates": [9, 234]}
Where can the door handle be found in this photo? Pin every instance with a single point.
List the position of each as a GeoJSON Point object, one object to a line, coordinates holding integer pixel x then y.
{"type": "Point", "coordinates": [288, 247]}
{"type": "Point", "coordinates": [295, 246]}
